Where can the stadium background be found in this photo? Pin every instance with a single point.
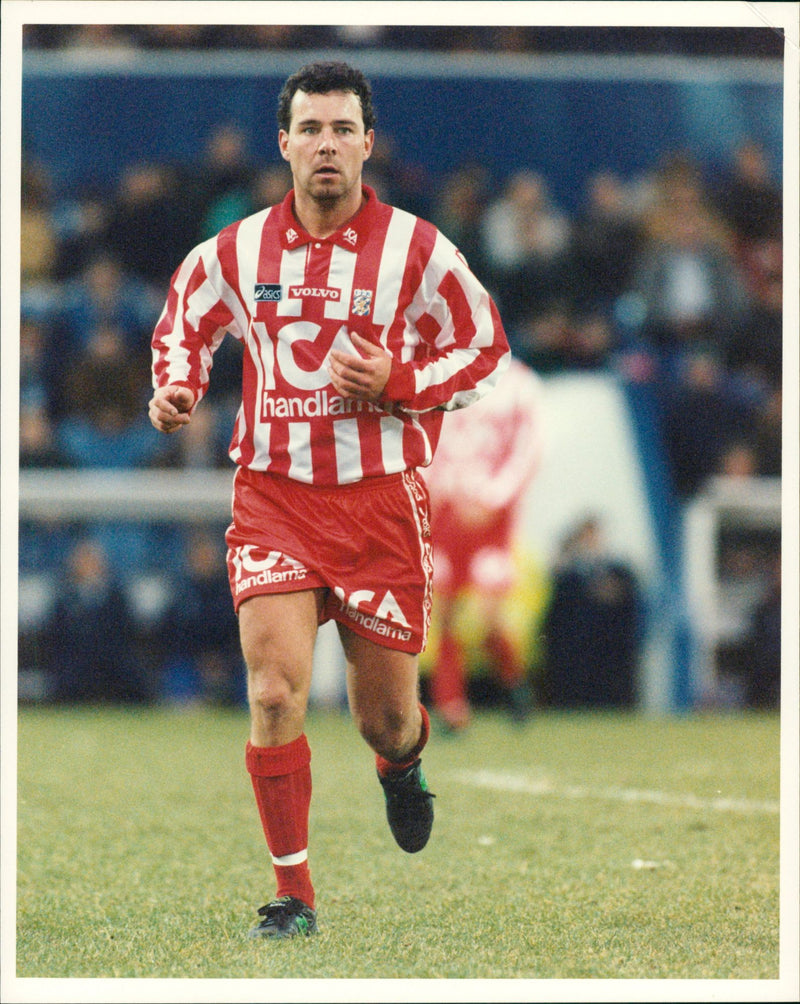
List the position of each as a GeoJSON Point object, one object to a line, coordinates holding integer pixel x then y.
{"type": "Point", "coordinates": [566, 103]}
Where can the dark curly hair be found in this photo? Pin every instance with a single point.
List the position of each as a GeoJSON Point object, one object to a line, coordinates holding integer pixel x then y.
{"type": "Point", "coordinates": [322, 78]}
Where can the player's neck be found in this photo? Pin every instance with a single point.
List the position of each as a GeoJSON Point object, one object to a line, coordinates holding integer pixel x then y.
{"type": "Point", "coordinates": [323, 217]}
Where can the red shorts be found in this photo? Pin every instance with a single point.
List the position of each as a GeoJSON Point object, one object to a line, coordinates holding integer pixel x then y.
{"type": "Point", "coordinates": [367, 544]}
{"type": "Point", "coordinates": [473, 556]}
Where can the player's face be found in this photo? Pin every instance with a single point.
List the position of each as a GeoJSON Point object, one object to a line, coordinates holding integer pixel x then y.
{"type": "Point", "coordinates": [326, 145]}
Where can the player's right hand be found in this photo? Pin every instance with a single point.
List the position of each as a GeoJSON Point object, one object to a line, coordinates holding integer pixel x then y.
{"type": "Point", "coordinates": [170, 406]}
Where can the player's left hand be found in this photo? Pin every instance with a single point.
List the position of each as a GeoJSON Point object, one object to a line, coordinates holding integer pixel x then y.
{"type": "Point", "coordinates": [363, 376]}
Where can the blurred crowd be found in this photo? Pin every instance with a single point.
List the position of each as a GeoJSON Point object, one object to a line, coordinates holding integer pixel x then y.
{"type": "Point", "coordinates": [671, 280]}
{"type": "Point", "coordinates": [724, 41]}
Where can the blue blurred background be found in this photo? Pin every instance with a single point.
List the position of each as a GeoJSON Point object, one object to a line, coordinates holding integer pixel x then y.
{"type": "Point", "coordinates": [646, 292]}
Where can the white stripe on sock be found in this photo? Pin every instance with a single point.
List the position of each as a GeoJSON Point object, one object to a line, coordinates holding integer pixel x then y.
{"type": "Point", "coordinates": [291, 859]}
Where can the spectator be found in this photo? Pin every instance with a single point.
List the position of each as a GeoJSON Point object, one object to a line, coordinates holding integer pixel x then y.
{"type": "Point", "coordinates": [542, 341]}
{"type": "Point", "coordinates": [37, 365]}
{"type": "Point", "coordinates": [87, 39]}
{"type": "Point", "coordinates": [270, 186]}
{"type": "Point", "coordinates": [593, 341]}
{"type": "Point", "coordinates": [763, 647]}
{"type": "Point", "coordinates": [459, 215]}
{"type": "Point", "coordinates": [150, 224]}
{"type": "Point", "coordinates": [38, 444]}
{"type": "Point", "coordinates": [360, 36]}
{"type": "Point", "coordinates": [523, 223]}
{"type": "Point", "coordinates": [755, 349]}
{"type": "Point", "coordinates": [104, 377]}
{"type": "Point", "coordinates": [89, 644]}
{"type": "Point", "coordinates": [204, 662]}
{"type": "Point", "coordinates": [267, 187]}
{"type": "Point", "coordinates": [768, 435]}
{"type": "Point", "coordinates": [105, 399]}
{"type": "Point", "coordinates": [748, 197]}
{"type": "Point", "coordinates": [38, 239]}
{"type": "Point", "coordinates": [81, 222]}
{"type": "Point", "coordinates": [738, 461]}
{"type": "Point", "coordinates": [104, 296]}
{"type": "Point", "coordinates": [748, 562]}
{"type": "Point", "coordinates": [605, 239]}
{"type": "Point", "coordinates": [685, 273]}
{"type": "Point", "coordinates": [592, 627]}
{"type": "Point", "coordinates": [221, 185]}
{"type": "Point", "coordinates": [404, 185]}
{"type": "Point", "coordinates": [704, 416]}
{"type": "Point", "coordinates": [557, 340]}
{"type": "Point", "coordinates": [527, 242]}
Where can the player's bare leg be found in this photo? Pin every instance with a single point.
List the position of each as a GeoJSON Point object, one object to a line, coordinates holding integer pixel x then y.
{"type": "Point", "coordinates": [383, 691]}
{"type": "Point", "coordinates": [277, 636]}
{"type": "Point", "coordinates": [382, 688]}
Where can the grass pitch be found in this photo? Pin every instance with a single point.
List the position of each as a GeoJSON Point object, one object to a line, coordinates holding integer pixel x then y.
{"type": "Point", "coordinates": [576, 847]}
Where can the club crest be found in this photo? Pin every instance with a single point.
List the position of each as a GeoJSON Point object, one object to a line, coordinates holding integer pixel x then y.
{"type": "Point", "coordinates": [362, 302]}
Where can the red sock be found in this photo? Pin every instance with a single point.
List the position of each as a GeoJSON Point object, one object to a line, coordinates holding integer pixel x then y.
{"type": "Point", "coordinates": [507, 663]}
{"type": "Point", "coordinates": [281, 777]}
{"type": "Point", "coordinates": [387, 766]}
{"type": "Point", "coordinates": [447, 682]}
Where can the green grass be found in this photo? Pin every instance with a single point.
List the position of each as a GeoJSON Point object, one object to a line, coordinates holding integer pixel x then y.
{"type": "Point", "coordinates": [140, 853]}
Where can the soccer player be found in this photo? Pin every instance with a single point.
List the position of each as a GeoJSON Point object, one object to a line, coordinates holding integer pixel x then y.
{"type": "Point", "coordinates": [486, 460]}
{"type": "Point", "coordinates": [361, 324]}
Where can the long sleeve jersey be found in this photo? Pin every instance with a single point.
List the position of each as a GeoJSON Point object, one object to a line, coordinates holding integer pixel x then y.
{"type": "Point", "coordinates": [290, 298]}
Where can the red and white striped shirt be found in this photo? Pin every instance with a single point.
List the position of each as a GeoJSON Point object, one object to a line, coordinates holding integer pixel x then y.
{"type": "Point", "coordinates": [290, 298]}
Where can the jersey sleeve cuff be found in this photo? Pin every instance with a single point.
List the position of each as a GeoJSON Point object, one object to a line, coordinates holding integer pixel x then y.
{"type": "Point", "coordinates": [400, 386]}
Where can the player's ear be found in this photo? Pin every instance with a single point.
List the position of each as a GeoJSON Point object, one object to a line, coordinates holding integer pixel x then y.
{"type": "Point", "coordinates": [369, 142]}
{"type": "Point", "coordinates": [283, 143]}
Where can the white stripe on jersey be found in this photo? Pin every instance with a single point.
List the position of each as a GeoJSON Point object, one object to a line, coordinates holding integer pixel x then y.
{"type": "Point", "coordinates": [300, 466]}
{"type": "Point", "coordinates": [435, 270]}
{"type": "Point", "coordinates": [293, 273]}
{"type": "Point", "coordinates": [348, 449]}
{"type": "Point", "coordinates": [392, 271]}
{"type": "Point", "coordinates": [261, 445]}
{"type": "Point", "coordinates": [391, 443]}
{"type": "Point", "coordinates": [461, 399]}
{"type": "Point", "coordinates": [340, 276]}
{"type": "Point", "coordinates": [177, 354]}
{"type": "Point", "coordinates": [202, 300]}
{"type": "Point", "coordinates": [239, 427]}
{"type": "Point", "coordinates": [248, 236]}
{"type": "Point", "coordinates": [259, 347]}
{"type": "Point", "coordinates": [437, 306]}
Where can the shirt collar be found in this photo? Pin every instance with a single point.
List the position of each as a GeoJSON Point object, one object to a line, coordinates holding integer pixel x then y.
{"type": "Point", "coordinates": [352, 236]}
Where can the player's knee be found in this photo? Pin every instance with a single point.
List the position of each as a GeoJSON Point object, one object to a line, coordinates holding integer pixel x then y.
{"type": "Point", "coordinates": [274, 691]}
{"type": "Point", "coordinates": [391, 733]}
{"type": "Point", "coordinates": [271, 697]}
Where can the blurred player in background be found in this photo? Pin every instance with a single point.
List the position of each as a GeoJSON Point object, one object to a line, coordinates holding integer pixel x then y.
{"type": "Point", "coordinates": [361, 326]}
{"type": "Point", "coordinates": [486, 459]}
